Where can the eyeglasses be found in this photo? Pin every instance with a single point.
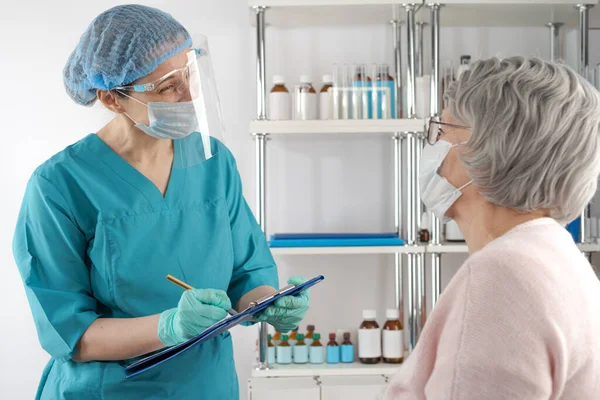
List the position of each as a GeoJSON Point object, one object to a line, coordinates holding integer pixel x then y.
{"type": "Point", "coordinates": [171, 83]}
{"type": "Point", "coordinates": [434, 131]}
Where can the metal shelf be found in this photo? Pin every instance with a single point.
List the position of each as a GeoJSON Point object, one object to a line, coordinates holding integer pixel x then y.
{"type": "Point", "coordinates": [447, 248]}
{"type": "Point", "coordinates": [368, 126]}
{"type": "Point", "coordinates": [307, 251]}
{"type": "Point", "coordinates": [341, 369]}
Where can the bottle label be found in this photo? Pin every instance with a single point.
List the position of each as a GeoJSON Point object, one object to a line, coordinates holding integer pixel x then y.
{"type": "Point", "coordinates": [393, 344]}
{"type": "Point", "coordinates": [316, 355]}
{"type": "Point", "coordinates": [347, 353]}
{"type": "Point", "coordinates": [325, 105]}
{"type": "Point", "coordinates": [280, 108]}
{"type": "Point", "coordinates": [333, 354]}
{"type": "Point", "coordinates": [300, 354]}
{"type": "Point", "coordinates": [284, 355]}
{"type": "Point", "coordinates": [369, 343]}
{"type": "Point", "coordinates": [271, 355]}
{"type": "Point", "coordinates": [305, 107]}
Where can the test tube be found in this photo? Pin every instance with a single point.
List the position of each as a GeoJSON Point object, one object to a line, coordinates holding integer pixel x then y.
{"type": "Point", "coordinates": [335, 91]}
{"type": "Point", "coordinates": [375, 91]}
{"type": "Point", "coordinates": [345, 106]}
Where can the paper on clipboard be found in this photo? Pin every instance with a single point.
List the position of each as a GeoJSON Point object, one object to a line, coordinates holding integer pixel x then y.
{"type": "Point", "coordinates": [218, 328]}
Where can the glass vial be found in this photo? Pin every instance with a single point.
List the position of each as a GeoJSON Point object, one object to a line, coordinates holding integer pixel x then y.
{"type": "Point", "coordinates": [325, 98]}
{"type": "Point", "coordinates": [315, 354]}
{"type": "Point", "coordinates": [310, 330]}
{"type": "Point", "coordinates": [300, 350]}
{"type": "Point", "coordinates": [347, 349]}
{"type": "Point", "coordinates": [369, 339]}
{"type": "Point", "coordinates": [284, 351]}
{"type": "Point", "coordinates": [361, 94]}
{"type": "Point", "coordinates": [270, 351]}
{"type": "Point", "coordinates": [393, 339]}
{"type": "Point", "coordinates": [305, 100]}
{"type": "Point", "coordinates": [333, 350]}
{"type": "Point", "coordinates": [280, 108]}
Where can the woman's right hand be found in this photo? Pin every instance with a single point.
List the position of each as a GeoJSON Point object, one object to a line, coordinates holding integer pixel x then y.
{"type": "Point", "coordinates": [197, 310]}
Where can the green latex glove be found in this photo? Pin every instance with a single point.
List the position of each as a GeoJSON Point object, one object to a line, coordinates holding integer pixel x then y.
{"type": "Point", "coordinates": [288, 311]}
{"type": "Point", "coordinates": [197, 310]}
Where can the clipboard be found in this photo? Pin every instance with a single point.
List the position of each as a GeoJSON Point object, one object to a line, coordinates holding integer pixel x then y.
{"type": "Point", "coordinates": [255, 307]}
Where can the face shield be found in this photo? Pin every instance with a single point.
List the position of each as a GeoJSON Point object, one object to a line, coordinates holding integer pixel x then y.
{"type": "Point", "coordinates": [183, 105]}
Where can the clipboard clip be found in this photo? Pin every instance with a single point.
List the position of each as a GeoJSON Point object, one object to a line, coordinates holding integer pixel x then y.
{"type": "Point", "coordinates": [270, 296]}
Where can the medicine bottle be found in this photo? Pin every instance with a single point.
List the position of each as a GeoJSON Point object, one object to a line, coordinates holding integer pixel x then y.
{"type": "Point", "coordinates": [325, 98]}
{"type": "Point", "coordinates": [279, 100]}
{"type": "Point", "coordinates": [277, 338]}
{"type": "Point", "coordinates": [385, 87]}
{"type": "Point", "coordinates": [393, 339]}
{"type": "Point", "coordinates": [293, 337]}
{"type": "Point", "coordinates": [310, 330]}
{"type": "Point", "coordinates": [424, 235]}
{"type": "Point", "coordinates": [300, 350]}
{"type": "Point", "coordinates": [284, 351]}
{"type": "Point", "coordinates": [333, 350]}
{"type": "Point", "coordinates": [315, 354]}
{"type": "Point", "coordinates": [270, 351]}
{"type": "Point", "coordinates": [347, 349]}
{"type": "Point", "coordinates": [369, 339]}
{"type": "Point", "coordinates": [305, 100]}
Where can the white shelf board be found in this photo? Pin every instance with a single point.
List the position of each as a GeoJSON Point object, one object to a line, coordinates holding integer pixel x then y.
{"type": "Point", "coordinates": [337, 126]}
{"type": "Point", "coordinates": [289, 14]}
{"type": "Point", "coordinates": [589, 247]}
{"type": "Point", "coordinates": [307, 251]}
{"type": "Point", "coordinates": [341, 369]}
{"type": "Point", "coordinates": [447, 248]}
{"type": "Point", "coordinates": [506, 13]}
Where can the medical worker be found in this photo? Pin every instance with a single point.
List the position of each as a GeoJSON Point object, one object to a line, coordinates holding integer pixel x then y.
{"type": "Point", "coordinates": [154, 192]}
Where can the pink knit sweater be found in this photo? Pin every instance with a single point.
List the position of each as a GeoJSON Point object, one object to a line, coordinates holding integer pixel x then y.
{"type": "Point", "coordinates": [519, 321]}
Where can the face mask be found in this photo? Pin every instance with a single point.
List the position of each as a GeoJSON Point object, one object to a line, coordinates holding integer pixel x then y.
{"type": "Point", "coordinates": [169, 120]}
{"type": "Point", "coordinates": [436, 192]}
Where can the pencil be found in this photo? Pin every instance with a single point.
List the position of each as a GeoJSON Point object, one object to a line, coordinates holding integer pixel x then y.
{"type": "Point", "coordinates": [185, 286]}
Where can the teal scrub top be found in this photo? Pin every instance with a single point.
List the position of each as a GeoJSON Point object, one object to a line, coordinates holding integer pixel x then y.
{"type": "Point", "coordinates": [96, 239]}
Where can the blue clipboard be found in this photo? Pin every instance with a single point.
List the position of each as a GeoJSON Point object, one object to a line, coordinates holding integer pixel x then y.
{"type": "Point", "coordinates": [153, 360]}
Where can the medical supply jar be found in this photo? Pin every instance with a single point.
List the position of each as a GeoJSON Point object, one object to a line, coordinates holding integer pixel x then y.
{"type": "Point", "coordinates": [393, 338]}
{"type": "Point", "coordinates": [347, 349]}
{"type": "Point", "coordinates": [369, 339]}
{"type": "Point", "coordinates": [325, 98]}
{"type": "Point", "coordinates": [315, 352]}
{"type": "Point", "coordinates": [280, 108]}
{"type": "Point", "coordinates": [332, 350]}
{"type": "Point", "coordinates": [300, 350]}
{"type": "Point", "coordinates": [305, 100]}
{"type": "Point", "coordinates": [270, 351]}
{"type": "Point", "coordinates": [284, 351]}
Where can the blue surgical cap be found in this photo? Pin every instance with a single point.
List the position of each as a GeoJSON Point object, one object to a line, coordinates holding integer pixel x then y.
{"type": "Point", "coordinates": [121, 45]}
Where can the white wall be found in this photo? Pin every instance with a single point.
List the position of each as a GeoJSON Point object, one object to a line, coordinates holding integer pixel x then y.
{"type": "Point", "coordinates": [314, 185]}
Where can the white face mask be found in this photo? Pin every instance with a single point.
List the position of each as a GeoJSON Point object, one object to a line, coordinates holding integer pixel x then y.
{"type": "Point", "coordinates": [436, 192]}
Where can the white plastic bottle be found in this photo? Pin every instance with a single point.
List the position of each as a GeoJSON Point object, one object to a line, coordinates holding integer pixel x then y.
{"type": "Point", "coordinates": [325, 98]}
{"type": "Point", "coordinates": [280, 108]}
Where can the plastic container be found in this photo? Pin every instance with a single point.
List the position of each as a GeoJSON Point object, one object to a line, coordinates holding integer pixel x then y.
{"type": "Point", "coordinates": [393, 338]}
{"type": "Point", "coordinates": [325, 100]}
{"type": "Point", "coordinates": [315, 351]}
{"type": "Point", "coordinates": [383, 93]}
{"type": "Point", "coordinates": [305, 100]}
{"type": "Point", "coordinates": [270, 351]}
{"type": "Point", "coordinates": [280, 107]}
{"type": "Point", "coordinates": [300, 350]}
{"type": "Point", "coordinates": [284, 351]}
{"type": "Point", "coordinates": [369, 339]}
{"type": "Point", "coordinates": [347, 349]}
{"type": "Point", "coordinates": [333, 350]}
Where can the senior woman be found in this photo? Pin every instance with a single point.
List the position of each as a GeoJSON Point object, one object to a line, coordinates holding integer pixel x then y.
{"type": "Point", "coordinates": [154, 192]}
{"type": "Point", "coordinates": [515, 156]}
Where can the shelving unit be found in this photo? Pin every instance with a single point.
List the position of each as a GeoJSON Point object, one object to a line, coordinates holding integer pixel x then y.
{"type": "Point", "coordinates": [407, 134]}
{"type": "Point", "coordinates": [326, 370]}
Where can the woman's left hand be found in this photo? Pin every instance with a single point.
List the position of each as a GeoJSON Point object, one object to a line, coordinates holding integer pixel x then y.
{"type": "Point", "coordinates": [288, 311]}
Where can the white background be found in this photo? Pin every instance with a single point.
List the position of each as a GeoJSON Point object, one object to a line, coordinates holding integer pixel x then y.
{"type": "Point", "coordinates": [321, 184]}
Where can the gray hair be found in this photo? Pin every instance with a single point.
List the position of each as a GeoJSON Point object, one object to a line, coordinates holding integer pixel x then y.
{"type": "Point", "coordinates": [534, 142]}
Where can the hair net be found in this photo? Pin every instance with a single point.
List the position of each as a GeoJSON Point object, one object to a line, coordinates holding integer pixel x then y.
{"type": "Point", "coordinates": [121, 45]}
